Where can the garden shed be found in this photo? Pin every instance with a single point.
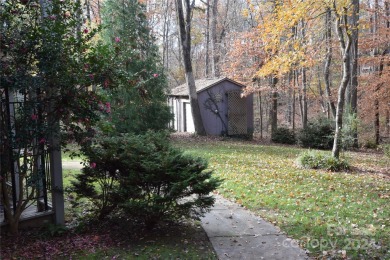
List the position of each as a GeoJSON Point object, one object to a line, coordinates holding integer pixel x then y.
{"type": "Point", "coordinates": [224, 110]}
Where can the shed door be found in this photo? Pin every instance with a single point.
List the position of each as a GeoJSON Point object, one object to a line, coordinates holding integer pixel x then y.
{"type": "Point", "coordinates": [188, 120]}
{"type": "Point", "coordinates": [237, 120]}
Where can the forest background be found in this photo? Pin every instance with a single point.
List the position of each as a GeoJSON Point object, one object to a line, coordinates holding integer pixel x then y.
{"type": "Point", "coordinates": [294, 56]}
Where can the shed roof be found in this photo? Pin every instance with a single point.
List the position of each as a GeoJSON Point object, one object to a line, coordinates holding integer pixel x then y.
{"type": "Point", "coordinates": [201, 84]}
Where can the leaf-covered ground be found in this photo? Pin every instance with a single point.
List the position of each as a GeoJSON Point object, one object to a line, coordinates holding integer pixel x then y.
{"type": "Point", "coordinates": [333, 215]}
{"type": "Point", "coordinates": [112, 240]}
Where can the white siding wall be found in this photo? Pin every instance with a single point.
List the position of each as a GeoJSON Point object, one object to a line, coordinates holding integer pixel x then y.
{"type": "Point", "coordinates": [188, 120]}
{"type": "Point", "coordinates": [181, 109]}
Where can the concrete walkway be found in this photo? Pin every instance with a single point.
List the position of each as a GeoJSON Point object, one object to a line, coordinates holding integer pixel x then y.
{"type": "Point", "coordinates": [71, 165]}
{"type": "Point", "coordinates": [236, 233]}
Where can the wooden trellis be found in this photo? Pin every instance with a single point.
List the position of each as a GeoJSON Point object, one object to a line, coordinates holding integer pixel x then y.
{"type": "Point", "coordinates": [237, 117]}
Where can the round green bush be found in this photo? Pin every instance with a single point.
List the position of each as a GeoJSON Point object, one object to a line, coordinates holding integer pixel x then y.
{"type": "Point", "coordinates": [283, 135]}
{"type": "Point", "coordinates": [316, 160]}
{"type": "Point", "coordinates": [318, 135]}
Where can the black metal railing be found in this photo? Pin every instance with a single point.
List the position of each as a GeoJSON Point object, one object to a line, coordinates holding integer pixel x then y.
{"type": "Point", "coordinates": [24, 157]}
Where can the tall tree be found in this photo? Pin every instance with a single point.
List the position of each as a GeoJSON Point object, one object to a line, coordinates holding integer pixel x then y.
{"type": "Point", "coordinates": [274, 105]}
{"type": "Point", "coordinates": [184, 21]}
{"type": "Point", "coordinates": [285, 48]}
{"type": "Point", "coordinates": [138, 102]}
{"type": "Point", "coordinates": [165, 33]}
{"type": "Point", "coordinates": [304, 79]}
{"type": "Point", "coordinates": [378, 71]}
{"type": "Point", "coordinates": [354, 67]}
{"type": "Point", "coordinates": [344, 38]}
{"type": "Point", "coordinates": [328, 60]}
{"type": "Point", "coordinates": [387, 52]}
{"type": "Point", "coordinates": [207, 40]}
{"type": "Point", "coordinates": [214, 40]}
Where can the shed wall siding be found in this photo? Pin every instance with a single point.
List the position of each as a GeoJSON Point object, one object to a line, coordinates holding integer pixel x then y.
{"type": "Point", "coordinates": [212, 122]}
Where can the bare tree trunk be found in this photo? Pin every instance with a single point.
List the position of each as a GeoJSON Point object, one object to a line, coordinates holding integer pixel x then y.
{"type": "Point", "coordinates": [300, 96]}
{"type": "Point", "coordinates": [387, 7]}
{"type": "Point", "coordinates": [295, 80]}
{"type": "Point", "coordinates": [267, 111]}
{"type": "Point", "coordinates": [304, 81]}
{"type": "Point", "coordinates": [321, 93]}
{"type": "Point", "coordinates": [207, 58]}
{"type": "Point", "coordinates": [354, 66]}
{"type": "Point", "coordinates": [342, 30]}
{"type": "Point", "coordinates": [214, 60]}
{"type": "Point", "coordinates": [274, 107]}
{"type": "Point", "coordinates": [388, 122]}
{"type": "Point", "coordinates": [185, 40]}
{"type": "Point", "coordinates": [289, 101]}
{"type": "Point", "coordinates": [165, 37]}
{"type": "Point", "coordinates": [304, 96]}
{"type": "Point", "coordinates": [88, 10]}
{"type": "Point", "coordinates": [293, 111]}
{"type": "Point", "coordinates": [261, 116]}
{"type": "Point", "coordinates": [328, 60]}
{"type": "Point", "coordinates": [375, 53]}
{"type": "Point", "coordinates": [376, 120]}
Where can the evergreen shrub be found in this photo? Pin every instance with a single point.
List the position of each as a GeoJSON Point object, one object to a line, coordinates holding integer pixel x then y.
{"type": "Point", "coordinates": [143, 177]}
{"type": "Point", "coordinates": [318, 134]}
{"type": "Point", "coordinates": [283, 135]}
{"type": "Point", "coordinates": [370, 144]}
{"type": "Point", "coordinates": [139, 100]}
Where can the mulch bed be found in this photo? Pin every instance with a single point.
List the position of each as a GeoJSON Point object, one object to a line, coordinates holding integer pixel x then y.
{"type": "Point", "coordinates": [38, 243]}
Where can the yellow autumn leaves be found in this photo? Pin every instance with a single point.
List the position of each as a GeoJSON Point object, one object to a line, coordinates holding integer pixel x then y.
{"type": "Point", "coordinates": [283, 28]}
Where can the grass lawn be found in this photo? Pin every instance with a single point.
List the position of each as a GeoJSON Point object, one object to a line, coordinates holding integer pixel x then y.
{"type": "Point", "coordinates": [331, 214]}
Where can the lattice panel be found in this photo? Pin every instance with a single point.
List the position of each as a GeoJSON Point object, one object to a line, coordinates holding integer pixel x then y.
{"type": "Point", "coordinates": [237, 120]}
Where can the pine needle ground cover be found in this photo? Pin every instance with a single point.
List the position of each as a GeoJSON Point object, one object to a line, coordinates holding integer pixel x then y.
{"type": "Point", "coordinates": [332, 215]}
